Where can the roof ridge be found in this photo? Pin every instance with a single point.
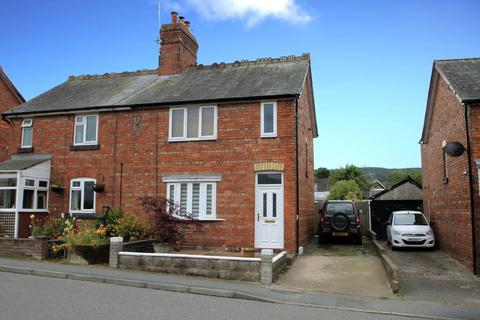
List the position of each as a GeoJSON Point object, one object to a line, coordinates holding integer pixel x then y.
{"type": "Point", "coordinates": [304, 56]}
{"type": "Point", "coordinates": [113, 74]}
{"type": "Point", "coordinates": [458, 59]}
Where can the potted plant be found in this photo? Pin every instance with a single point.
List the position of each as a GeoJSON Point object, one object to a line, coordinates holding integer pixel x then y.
{"type": "Point", "coordinates": [57, 188]}
{"type": "Point", "coordinates": [168, 229]}
{"type": "Point", "coordinates": [99, 187]}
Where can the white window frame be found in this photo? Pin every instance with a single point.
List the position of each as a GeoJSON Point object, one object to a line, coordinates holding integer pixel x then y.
{"type": "Point", "coordinates": [84, 138]}
{"type": "Point", "coordinates": [185, 124]}
{"type": "Point", "coordinates": [202, 212]}
{"type": "Point", "coordinates": [16, 188]}
{"type": "Point", "coordinates": [82, 195]}
{"type": "Point", "coordinates": [27, 123]}
{"type": "Point", "coordinates": [35, 188]}
{"type": "Point", "coordinates": [264, 134]}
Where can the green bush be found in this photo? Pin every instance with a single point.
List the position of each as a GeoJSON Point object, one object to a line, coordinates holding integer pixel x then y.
{"type": "Point", "coordinates": [131, 227]}
{"type": "Point", "coordinates": [345, 190]}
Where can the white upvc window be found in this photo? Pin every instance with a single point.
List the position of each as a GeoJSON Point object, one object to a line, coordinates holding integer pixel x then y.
{"type": "Point", "coordinates": [82, 195]}
{"type": "Point", "coordinates": [34, 194]}
{"type": "Point", "coordinates": [193, 198]}
{"type": "Point", "coordinates": [8, 192]}
{"type": "Point", "coordinates": [27, 132]}
{"type": "Point", "coordinates": [86, 130]}
{"type": "Point", "coordinates": [193, 123]}
{"type": "Point", "coordinates": [268, 119]}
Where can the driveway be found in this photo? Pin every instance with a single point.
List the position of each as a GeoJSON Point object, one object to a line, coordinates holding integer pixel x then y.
{"type": "Point", "coordinates": [340, 268]}
{"type": "Point", "coordinates": [435, 276]}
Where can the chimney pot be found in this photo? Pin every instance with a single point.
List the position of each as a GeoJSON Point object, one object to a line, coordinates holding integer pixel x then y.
{"type": "Point", "coordinates": [187, 25]}
{"type": "Point", "coordinates": [181, 18]}
{"type": "Point", "coordinates": [174, 17]}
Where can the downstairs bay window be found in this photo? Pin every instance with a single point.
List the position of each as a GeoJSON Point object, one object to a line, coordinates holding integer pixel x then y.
{"type": "Point", "coordinates": [193, 198]}
{"type": "Point", "coordinates": [82, 195]}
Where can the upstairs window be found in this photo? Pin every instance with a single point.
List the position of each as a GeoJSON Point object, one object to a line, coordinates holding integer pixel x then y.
{"type": "Point", "coordinates": [86, 130]}
{"type": "Point", "coordinates": [268, 120]}
{"type": "Point", "coordinates": [27, 133]}
{"type": "Point", "coordinates": [82, 195]}
{"type": "Point", "coordinates": [193, 123]}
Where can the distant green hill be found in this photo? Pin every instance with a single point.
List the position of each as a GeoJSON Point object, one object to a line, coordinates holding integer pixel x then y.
{"type": "Point", "coordinates": [381, 173]}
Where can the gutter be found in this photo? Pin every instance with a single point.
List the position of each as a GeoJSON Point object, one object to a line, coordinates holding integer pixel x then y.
{"type": "Point", "coordinates": [472, 208]}
{"type": "Point", "coordinates": [297, 216]}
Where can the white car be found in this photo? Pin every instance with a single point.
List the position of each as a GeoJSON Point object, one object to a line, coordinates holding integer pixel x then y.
{"type": "Point", "coordinates": [409, 229]}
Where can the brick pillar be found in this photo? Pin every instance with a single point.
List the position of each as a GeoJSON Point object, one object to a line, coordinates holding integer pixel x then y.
{"type": "Point", "coordinates": [116, 245]}
{"type": "Point", "coordinates": [40, 248]}
{"type": "Point", "coordinates": [266, 267]}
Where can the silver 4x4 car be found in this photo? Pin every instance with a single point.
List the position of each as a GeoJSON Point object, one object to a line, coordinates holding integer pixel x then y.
{"type": "Point", "coordinates": [340, 218]}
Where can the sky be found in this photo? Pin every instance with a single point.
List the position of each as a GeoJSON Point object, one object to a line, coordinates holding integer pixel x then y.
{"type": "Point", "coordinates": [371, 59]}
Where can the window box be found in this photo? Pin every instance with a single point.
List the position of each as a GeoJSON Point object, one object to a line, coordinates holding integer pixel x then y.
{"type": "Point", "coordinates": [57, 188]}
{"type": "Point", "coordinates": [25, 150]}
{"type": "Point", "coordinates": [85, 147]}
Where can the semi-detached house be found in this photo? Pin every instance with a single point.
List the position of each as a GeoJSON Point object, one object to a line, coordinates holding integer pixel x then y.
{"type": "Point", "coordinates": [230, 143]}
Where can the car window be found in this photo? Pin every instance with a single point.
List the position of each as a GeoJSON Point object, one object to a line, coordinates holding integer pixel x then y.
{"type": "Point", "coordinates": [410, 219]}
{"type": "Point", "coordinates": [346, 208]}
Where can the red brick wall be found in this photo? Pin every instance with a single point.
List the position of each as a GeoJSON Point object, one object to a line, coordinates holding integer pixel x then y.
{"type": "Point", "coordinates": [448, 205]}
{"type": "Point", "coordinates": [305, 168]}
{"type": "Point", "coordinates": [474, 119]}
{"type": "Point", "coordinates": [147, 156]}
{"type": "Point", "coordinates": [7, 101]}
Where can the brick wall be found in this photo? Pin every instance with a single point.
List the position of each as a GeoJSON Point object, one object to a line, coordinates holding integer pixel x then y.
{"type": "Point", "coordinates": [447, 205]}
{"type": "Point", "coordinates": [146, 156]}
{"type": "Point", "coordinates": [7, 101]}
{"type": "Point", "coordinates": [35, 248]}
{"type": "Point", "coordinates": [305, 168]}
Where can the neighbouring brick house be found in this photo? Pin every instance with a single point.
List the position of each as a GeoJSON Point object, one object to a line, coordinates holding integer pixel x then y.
{"type": "Point", "coordinates": [230, 143]}
{"type": "Point", "coordinates": [9, 98]}
{"type": "Point", "coordinates": [450, 183]}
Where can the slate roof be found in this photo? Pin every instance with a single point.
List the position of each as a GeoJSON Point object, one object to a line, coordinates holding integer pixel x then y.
{"type": "Point", "coordinates": [218, 82]}
{"type": "Point", "coordinates": [463, 75]}
{"type": "Point", "coordinates": [15, 165]}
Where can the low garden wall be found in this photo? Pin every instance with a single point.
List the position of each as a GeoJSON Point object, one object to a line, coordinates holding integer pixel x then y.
{"type": "Point", "coordinates": [35, 248]}
{"type": "Point", "coordinates": [139, 246]}
{"type": "Point", "coordinates": [265, 269]}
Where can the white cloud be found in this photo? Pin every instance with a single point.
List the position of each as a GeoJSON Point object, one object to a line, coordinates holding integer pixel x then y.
{"type": "Point", "coordinates": [251, 11]}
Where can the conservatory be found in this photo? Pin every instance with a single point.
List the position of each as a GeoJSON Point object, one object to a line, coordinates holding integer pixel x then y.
{"type": "Point", "coordinates": [24, 184]}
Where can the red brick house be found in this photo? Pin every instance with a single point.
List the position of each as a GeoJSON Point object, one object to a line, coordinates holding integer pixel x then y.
{"type": "Point", "coordinates": [450, 183]}
{"type": "Point", "coordinates": [230, 143]}
{"type": "Point", "coordinates": [9, 98]}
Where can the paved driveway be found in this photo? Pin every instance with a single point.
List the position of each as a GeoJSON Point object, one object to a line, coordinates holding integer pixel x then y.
{"type": "Point", "coordinates": [434, 275]}
{"type": "Point", "coordinates": [338, 268]}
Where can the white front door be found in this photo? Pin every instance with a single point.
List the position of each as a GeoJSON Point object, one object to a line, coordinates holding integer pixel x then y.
{"type": "Point", "coordinates": [269, 210]}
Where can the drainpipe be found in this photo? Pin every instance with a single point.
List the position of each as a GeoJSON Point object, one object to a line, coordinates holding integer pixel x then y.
{"type": "Point", "coordinates": [121, 184]}
{"type": "Point", "coordinates": [297, 216]}
{"type": "Point", "coordinates": [472, 208]}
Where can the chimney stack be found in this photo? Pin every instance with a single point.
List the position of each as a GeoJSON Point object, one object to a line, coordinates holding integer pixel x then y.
{"type": "Point", "coordinates": [178, 47]}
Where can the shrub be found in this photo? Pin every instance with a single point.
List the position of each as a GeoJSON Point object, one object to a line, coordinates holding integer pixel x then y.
{"type": "Point", "coordinates": [131, 227]}
{"type": "Point", "coordinates": [86, 235]}
{"type": "Point", "coordinates": [53, 227]}
{"type": "Point", "coordinates": [345, 190]}
{"type": "Point", "coordinates": [167, 228]}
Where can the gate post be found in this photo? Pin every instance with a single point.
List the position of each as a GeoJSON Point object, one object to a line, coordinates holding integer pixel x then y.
{"type": "Point", "coordinates": [116, 245]}
{"type": "Point", "coordinates": [266, 267]}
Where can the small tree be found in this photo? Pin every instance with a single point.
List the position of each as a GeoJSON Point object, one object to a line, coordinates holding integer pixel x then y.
{"type": "Point", "coordinates": [345, 190]}
{"type": "Point", "coordinates": [351, 172]}
{"type": "Point", "coordinates": [166, 227]}
{"type": "Point", "coordinates": [322, 173]}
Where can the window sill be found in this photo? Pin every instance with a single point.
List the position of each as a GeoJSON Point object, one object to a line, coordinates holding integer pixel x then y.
{"type": "Point", "coordinates": [25, 150]}
{"type": "Point", "coordinates": [268, 137]}
{"type": "Point", "coordinates": [209, 220]}
{"type": "Point", "coordinates": [84, 215]}
{"type": "Point", "coordinates": [85, 147]}
{"type": "Point", "coordinates": [192, 140]}
{"type": "Point", "coordinates": [33, 211]}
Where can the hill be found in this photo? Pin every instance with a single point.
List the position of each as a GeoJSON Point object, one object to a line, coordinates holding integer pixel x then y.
{"type": "Point", "coordinates": [382, 173]}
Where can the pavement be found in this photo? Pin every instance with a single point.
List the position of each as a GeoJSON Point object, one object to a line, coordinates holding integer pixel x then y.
{"type": "Point", "coordinates": [434, 276]}
{"type": "Point", "coordinates": [238, 290]}
{"type": "Point", "coordinates": [338, 267]}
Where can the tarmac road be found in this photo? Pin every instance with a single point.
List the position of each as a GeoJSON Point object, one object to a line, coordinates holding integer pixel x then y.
{"type": "Point", "coordinates": [31, 297]}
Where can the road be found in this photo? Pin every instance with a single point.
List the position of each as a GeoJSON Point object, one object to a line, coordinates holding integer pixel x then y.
{"type": "Point", "coordinates": [32, 297]}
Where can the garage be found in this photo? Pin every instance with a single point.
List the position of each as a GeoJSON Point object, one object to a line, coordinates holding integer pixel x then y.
{"type": "Point", "coordinates": [404, 195]}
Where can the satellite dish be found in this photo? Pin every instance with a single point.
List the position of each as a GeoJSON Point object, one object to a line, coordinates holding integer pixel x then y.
{"type": "Point", "coordinates": [454, 149]}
